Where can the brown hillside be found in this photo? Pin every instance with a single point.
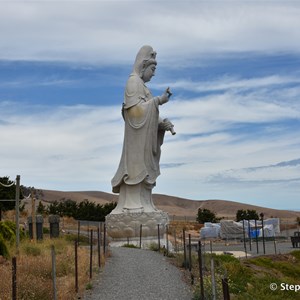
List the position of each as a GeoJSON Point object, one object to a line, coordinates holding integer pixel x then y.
{"type": "Point", "coordinates": [173, 205]}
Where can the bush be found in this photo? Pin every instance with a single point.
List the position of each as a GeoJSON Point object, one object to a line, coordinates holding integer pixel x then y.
{"type": "Point", "coordinates": [32, 250]}
{"type": "Point", "coordinates": [130, 246]}
{"type": "Point", "coordinates": [3, 248]}
{"type": "Point", "coordinates": [7, 230]}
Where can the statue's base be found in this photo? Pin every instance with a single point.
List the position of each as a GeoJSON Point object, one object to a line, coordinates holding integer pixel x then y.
{"type": "Point", "coordinates": [128, 224]}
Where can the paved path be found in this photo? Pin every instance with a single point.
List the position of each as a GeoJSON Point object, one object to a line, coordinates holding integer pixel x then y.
{"type": "Point", "coordinates": [134, 274]}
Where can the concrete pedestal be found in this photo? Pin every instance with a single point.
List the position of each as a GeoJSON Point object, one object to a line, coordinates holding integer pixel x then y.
{"type": "Point", "coordinates": [128, 224]}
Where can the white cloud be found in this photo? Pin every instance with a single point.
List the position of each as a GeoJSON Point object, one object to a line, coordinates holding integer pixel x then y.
{"type": "Point", "coordinates": [108, 32]}
{"type": "Point", "coordinates": [230, 83]}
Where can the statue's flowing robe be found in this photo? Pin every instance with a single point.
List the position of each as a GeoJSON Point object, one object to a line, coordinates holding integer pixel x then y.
{"type": "Point", "coordinates": [139, 164]}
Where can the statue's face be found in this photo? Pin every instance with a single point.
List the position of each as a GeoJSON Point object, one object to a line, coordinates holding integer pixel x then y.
{"type": "Point", "coordinates": [148, 73]}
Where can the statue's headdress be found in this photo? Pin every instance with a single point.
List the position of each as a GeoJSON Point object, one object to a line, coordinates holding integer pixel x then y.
{"type": "Point", "coordinates": [145, 57]}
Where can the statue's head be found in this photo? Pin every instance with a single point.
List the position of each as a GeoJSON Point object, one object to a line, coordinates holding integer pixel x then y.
{"type": "Point", "coordinates": [145, 63]}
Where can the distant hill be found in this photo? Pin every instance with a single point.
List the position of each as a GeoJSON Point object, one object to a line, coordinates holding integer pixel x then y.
{"type": "Point", "coordinates": [175, 206]}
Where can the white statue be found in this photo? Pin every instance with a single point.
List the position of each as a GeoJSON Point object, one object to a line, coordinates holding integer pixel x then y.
{"type": "Point", "coordinates": [144, 134]}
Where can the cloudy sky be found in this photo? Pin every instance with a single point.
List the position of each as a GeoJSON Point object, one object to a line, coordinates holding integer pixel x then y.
{"type": "Point", "coordinates": [233, 68]}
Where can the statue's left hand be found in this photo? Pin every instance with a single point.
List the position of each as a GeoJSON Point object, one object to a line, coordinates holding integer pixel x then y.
{"type": "Point", "coordinates": [167, 125]}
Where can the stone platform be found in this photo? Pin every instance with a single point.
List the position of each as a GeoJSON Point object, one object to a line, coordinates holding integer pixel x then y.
{"type": "Point", "coordinates": [128, 224]}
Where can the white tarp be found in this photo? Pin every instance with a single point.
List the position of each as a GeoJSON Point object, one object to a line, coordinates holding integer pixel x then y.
{"type": "Point", "coordinates": [210, 230]}
{"type": "Point", "coordinates": [232, 230]}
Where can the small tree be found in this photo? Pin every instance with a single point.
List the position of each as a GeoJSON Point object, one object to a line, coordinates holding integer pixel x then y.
{"type": "Point", "coordinates": [249, 214]}
{"type": "Point", "coordinates": [206, 215]}
{"type": "Point", "coordinates": [41, 209]}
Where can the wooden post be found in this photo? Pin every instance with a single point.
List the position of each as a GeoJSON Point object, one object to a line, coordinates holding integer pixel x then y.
{"type": "Point", "coordinates": [104, 239]}
{"type": "Point", "coordinates": [18, 212]}
{"type": "Point", "coordinates": [99, 247]}
{"type": "Point", "coordinates": [167, 239]}
{"type": "Point", "coordinates": [275, 249]}
{"type": "Point", "coordinates": [53, 272]}
{"type": "Point", "coordinates": [78, 231]}
{"type": "Point", "coordinates": [14, 278]}
{"type": "Point", "coordinates": [200, 270]}
{"type": "Point", "coordinates": [76, 266]}
{"type": "Point", "coordinates": [190, 253]}
{"type": "Point", "coordinates": [184, 249]}
{"type": "Point", "coordinates": [141, 233]}
{"type": "Point", "coordinates": [33, 215]}
{"type": "Point", "coordinates": [226, 295]}
{"type": "Point", "coordinates": [213, 280]}
{"type": "Point", "coordinates": [175, 240]}
{"type": "Point", "coordinates": [91, 255]}
{"type": "Point", "coordinates": [158, 237]}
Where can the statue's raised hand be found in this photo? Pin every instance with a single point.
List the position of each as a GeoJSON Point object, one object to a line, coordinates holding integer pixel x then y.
{"type": "Point", "coordinates": [164, 98]}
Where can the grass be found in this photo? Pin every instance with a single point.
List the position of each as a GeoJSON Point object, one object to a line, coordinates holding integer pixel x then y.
{"type": "Point", "coordinates": [130, 246]}
{"type": "Point", "coordinates": [248, 279]}
{"type": "Point", "coordinates": [34, 272]}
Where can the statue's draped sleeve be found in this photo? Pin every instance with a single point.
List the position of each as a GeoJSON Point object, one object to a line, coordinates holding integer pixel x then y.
{"type": "Point", "coordinates": [142, 138]}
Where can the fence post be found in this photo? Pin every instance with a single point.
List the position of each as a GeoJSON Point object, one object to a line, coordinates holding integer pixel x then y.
{"type": "Point", "coordinates": [249, 234]}
{"type": "Point", "coordinates": [175, 240]}
{"type": "Point", "coordinates": [17, 212]}
{"type": "Point", "coordinates": [190, 253]}
{"type": "Point", "coordinates": [213, 280]}
{"type": "Point", "coordinates": [275, 249]}
{"type": "Point", "coordinates": [158, 236]}
{"type": "Point", "coordinates": [53, 272]}
{"type": "Point", "coordinates": [256, 236]}
{"type": "Point", "coordinates": [184, 248]}
{"type": "Point", "coordinates": [141, 233]}
{"type": "Point", "coordinates": [167, 239]}
{"type": "Point", "coordinates": [245, 247]}
{"type": "Point", "coordinates": [14, 278]}
{"type": "Point", "coordinates": [104, 239]}
{"type": "Point", "coordinates": [263, 231]}
{"type": "Point", "coordinates": [200, 270]}
{"type": "Point", "coordinates": [99, 247]}
{"type": "Point", "coordinates": [91, 255]}
{"type": "Point", "coordinates": [78, 231]}
{"type": "Point", "coordinates": [76, 266]}
{"type": "Point", "coordinates": [226, 295]}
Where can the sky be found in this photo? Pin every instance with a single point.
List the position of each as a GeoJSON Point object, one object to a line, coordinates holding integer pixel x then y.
{"type": "Point", "coordinates": [233, 69]}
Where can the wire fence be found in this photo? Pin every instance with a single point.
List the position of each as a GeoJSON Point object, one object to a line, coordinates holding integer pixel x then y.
{"type": "Point", "coordinates": [48, 270]}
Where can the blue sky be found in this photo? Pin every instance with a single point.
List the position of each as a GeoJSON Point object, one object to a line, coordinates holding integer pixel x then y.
{"type": "Point", "coordinates": [233, 68]}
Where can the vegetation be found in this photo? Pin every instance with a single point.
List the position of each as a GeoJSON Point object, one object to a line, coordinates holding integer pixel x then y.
{"type": "Point", "coordinates": [84, 210]}
{"type": "Point", "coordinates": [130, 246]}
{"type": "Point", "coordinates": [248, 278]}
{"type": "Point", "coordinates": [7, 236]}
{"type": "Point", "coordinates": [249, 214]}
{"type": "Point", "coordinates": [34, 271]}
{"type": "Point", "coordinates": [205, 215]}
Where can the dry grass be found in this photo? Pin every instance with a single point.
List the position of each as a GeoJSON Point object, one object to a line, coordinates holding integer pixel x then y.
{"type": "Point", "coordinates": [34, 271]}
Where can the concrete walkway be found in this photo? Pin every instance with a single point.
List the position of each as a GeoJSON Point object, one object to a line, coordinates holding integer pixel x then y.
{"type": "Point", "coordinates": [134, 274]}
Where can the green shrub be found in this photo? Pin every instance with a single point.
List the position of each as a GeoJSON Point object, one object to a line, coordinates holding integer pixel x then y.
{"type": "Point", "coordinates": [73, 237]}
{"type": "Point", "coordinates": [3, 248]}
{"type": "Point", "coordinates": [7, 230]}
{"type": "Point", "coordinates": [130, 246]}
{"type": "Point", "coordinates": [296, 254]}
{"type": "Point", "coordinates": [153, 246]}
{"type": "Point", "coordinates": [33, 250]}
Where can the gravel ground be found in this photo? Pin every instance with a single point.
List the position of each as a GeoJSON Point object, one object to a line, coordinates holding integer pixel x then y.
{"type": "Point", "coordinates": [134, 274]}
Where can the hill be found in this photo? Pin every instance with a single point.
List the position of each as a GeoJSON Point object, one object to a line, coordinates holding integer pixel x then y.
{"type": "Point", "coordinates": [175, 206]}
